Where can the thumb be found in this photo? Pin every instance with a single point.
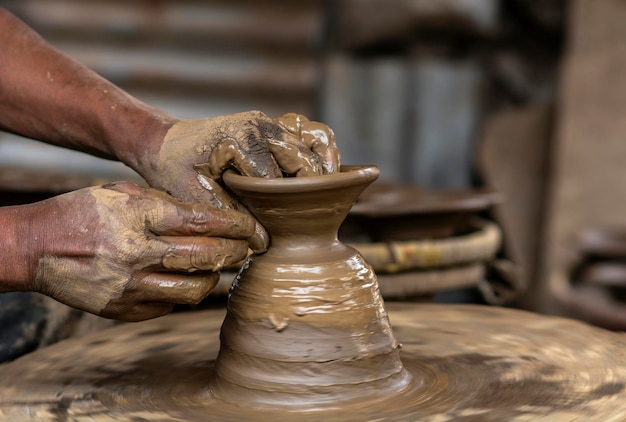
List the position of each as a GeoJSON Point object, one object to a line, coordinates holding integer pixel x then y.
{"type": "Point", "coordinates": [260, 240]}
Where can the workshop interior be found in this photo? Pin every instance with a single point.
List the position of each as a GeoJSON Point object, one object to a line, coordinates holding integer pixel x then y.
{"type": "Point", "coordinates": [497, 128]}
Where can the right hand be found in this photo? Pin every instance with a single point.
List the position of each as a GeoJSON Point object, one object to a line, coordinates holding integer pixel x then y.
{"type": "Point", "coordinates": [193, 155]}
{"type": "Point", "coordinates": [122, 251]}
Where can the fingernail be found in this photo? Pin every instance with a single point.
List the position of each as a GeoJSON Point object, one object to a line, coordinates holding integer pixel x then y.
{"type": "Point", "coordinates": [260, 240]}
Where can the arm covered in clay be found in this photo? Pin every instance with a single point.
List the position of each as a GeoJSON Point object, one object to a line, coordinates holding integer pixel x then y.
{"type": "Point", "coordinates": [119, 250]}
{"type": "Point", "coordinates": [122, 251]}
{"type": "Point", "coordinates": [46, 96]}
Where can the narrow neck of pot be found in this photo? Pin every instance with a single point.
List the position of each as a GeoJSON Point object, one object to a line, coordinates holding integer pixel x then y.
{"type": "Point", "coordinates": [298, 221]}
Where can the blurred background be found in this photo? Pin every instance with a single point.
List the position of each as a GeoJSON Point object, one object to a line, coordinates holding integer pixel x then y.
{"type": "Point", "coordinates": [515, 106]}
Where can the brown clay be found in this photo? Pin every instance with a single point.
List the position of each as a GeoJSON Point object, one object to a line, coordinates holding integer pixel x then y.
{"type": "Point", "coordinates": [310, 305]}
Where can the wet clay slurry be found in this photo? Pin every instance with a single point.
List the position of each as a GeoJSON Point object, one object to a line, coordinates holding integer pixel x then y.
{"type": "Point", "coordinates": [306, 325]}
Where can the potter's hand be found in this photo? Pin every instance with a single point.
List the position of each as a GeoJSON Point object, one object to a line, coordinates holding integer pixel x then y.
{"type": "Point", "coordinates": [194, 154]}
{"type": "Point", "coordinates": [71, 106]}
{"type": "Point", "coordinates": [125, 252]}
{"type": "Point", "coordinates": [305, 142]}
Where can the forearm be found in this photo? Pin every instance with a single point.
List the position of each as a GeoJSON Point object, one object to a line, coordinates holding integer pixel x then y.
{"type": "Point", "coordinates": [17, 267]}
{"type": "Point", "coordinates": [46, 96]}
{"type": "Point", "coordinates": [60, 228]}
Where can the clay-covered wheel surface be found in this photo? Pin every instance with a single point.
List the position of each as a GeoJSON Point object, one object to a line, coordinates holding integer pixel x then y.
{"type": "Point", "coordinates": [469, 363]}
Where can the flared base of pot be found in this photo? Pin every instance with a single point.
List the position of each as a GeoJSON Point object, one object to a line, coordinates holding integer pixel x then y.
{"type": "Point", "coordinates": [306, 366]}
{"type": "Point", "coordinates": [318, 397]}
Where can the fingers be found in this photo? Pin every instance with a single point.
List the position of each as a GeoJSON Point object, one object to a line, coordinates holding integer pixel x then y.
{"type": "Point", "coordinates": [219, 197]}
{"type": "Point", "coordinates": [258, 146]}
{"type": "Point", "coordinates": [184, 219]}
{"type": "Point", "coordinates": [187, 289]}
{"type": "Point", "coordinates": [154, 294]}
{"type": "Point", "coordinates": [137, 311]}
{"type": "Point", "coordinates": [316, 137]}
{"type": "Point", "coordinates": [239, 141]}
{"type": "Point", "coordinates": [260, 239]}
{"type": "Point", "coordinates": [321, 140]}
{"type": "Point", "coordinates": [249, 155]}
{"type": "Point", "coordinates": [201, 253]}
{"type": "Point", "coordinates": [294, 157]}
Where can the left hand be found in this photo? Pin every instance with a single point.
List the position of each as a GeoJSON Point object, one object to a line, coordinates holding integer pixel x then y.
{"type": "Point", "coordinates": [126, 252]}
{"type": "Point", "coordinates": [194, 154]}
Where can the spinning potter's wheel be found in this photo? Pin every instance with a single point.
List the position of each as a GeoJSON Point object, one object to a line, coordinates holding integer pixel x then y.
{"type": "Point", "coordinates": [468, 363]}
{"type": "Point", "coordinates": [307, 337]}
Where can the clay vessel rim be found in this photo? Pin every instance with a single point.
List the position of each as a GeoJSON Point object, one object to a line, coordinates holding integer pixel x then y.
{"type": "Point", "coordinates": [348, 175]}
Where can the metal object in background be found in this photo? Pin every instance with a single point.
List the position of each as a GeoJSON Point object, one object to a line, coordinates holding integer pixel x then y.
{"type": "Point", "coordinates": [360, 23]}
{"type": "Point", "coordinates": [413, 116]}
{"type": "Point", "coordinates": [190, 58]}
{"type": "Point", "coordinates": [367, 104]}
{"type": "Point", "coordinates": [261, 50]}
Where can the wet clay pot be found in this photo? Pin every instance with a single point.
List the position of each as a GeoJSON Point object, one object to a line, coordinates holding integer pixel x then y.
{"type": "Point", "coordinates": [306, 326]}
